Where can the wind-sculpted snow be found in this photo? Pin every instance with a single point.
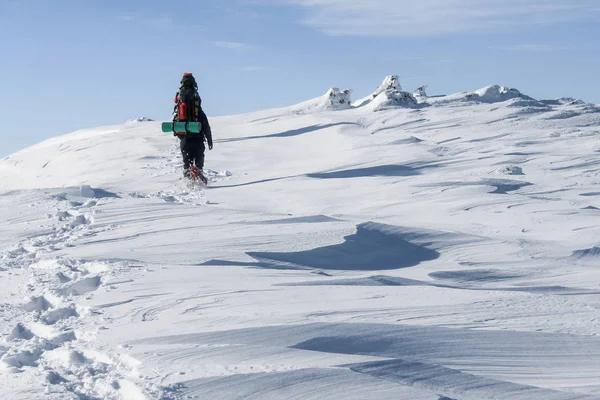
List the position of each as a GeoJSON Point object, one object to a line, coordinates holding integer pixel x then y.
{"type": "Point", "coordinates": [372, 247]}
{"type": "Point", "coordinates": [503, 186]}
{"type": "Point", "coordinates": [457, 384]}
{"type": "Point", "coordinates": [380, 170]}
{"type": "Point", "coordinates": [439, 361]}
{"type": "Point", "coordinates": [489, 94]}
{"type": "Point", "coordinates": [476, 278]}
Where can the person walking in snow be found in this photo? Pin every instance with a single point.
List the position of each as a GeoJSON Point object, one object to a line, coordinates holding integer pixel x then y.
{"type": "Point", "coordinates": [188, 107]}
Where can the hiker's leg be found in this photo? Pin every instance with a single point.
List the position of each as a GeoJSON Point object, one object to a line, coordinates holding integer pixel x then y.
{"type": "Point", "coordinates": [200, 155]}
{"type": "Point", "coordinates": [185, 153]}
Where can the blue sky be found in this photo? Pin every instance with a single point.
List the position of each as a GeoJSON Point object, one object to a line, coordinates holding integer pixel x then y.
{"type": "Point", "coordinates": [71, 64]}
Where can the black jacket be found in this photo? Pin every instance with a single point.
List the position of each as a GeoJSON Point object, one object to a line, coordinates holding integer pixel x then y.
{"type": "Point", "coordinates": [203, 119]}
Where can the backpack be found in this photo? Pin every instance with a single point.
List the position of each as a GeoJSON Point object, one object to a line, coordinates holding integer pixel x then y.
{"type": "Point", "coordinates": [187, 100]}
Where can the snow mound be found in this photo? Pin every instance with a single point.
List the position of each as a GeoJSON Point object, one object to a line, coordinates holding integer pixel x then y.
{"type": "Point", "coordinates": [510, 170]}
{"type": "Point", "coordinates": [569, 101]}
{"type": "Point", "coordinates": [391, 99]}
{"type": "Point", "coordinates": [496, 94]}
{"type": "Point", "coordinates": [334, 99]}
{"type": "Point", "coordinates": [391, 82]}
{"type": "Point", "coordinates": [141, 119]}
{"type": "Point", "coordinates": [489, 94]}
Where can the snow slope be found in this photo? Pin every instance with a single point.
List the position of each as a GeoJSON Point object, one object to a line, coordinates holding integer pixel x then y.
{"type": "Point", "coordinates": [441, 250]}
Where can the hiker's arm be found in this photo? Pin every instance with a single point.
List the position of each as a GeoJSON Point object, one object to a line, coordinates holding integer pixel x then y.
{"type": "Point", "coordinates": [206, 129]}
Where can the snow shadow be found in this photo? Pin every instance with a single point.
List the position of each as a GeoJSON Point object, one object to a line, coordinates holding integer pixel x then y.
{"type": "Point", "coordinates": [310, 219]}
{"type": "Point", "coordinates": [285, 134]}
{"type": "Point", "coordinates": [84, 192]}
{"type": "Point", "coordinates": [426, 343]}
{"type": "Point", "coordinates": [400, 127]}
{"type": "Point", "coordinates": [226, 263]}
{"type": "Point", "coordinates": [591, 253]}
{"type": "Point", "coordinates": [380, 170]}
{"type": "Point", "coordinates": [305, 384]}
{"type": "Point", "coordinates": [503, 186]}
{"type": "Point", "coordinates": [376, 280]}
{"type": "Point", "coordinates": [373, 247]}
{"type": "Point", "coordinates": [422, 357]}
{"type": "Point", "coordinates": [476, 281]}
{"type": "Point", "coordinates": [564, 115]}
{"type": "Point", "coordinates": [456, 383]}
{"type": "Point", "coordinates": [213, 187]}
{"type": "Point", "coordinates": [475, 275]}
{"type": "Point", "coordinates": [409, 140]}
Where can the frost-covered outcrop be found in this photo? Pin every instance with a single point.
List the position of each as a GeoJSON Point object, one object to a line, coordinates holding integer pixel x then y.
{"type": "Point", "coordinates": [141, 119]}
{"type": "Point", "coordinates": [391, 82]}
{"type": "Point", "coordinates": [420, 92]}
{"type": "Point", "coordinates": [387, 96]}
{"type": "Point", "coordinates": [391, 99]}
{"type": "Point", "coordinates": [334, 99]}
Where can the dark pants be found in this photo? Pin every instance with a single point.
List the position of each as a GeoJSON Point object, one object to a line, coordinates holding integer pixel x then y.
{"type": "Point", "coordinates": [192, 150]}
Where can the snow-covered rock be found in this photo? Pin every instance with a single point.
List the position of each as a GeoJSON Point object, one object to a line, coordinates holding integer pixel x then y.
{"type": "Point", "coordinates": [392, 98]}
{"type": "Point", "coordinates": [391, 82]}
{"type": "Point", "coordinates": [141, 119]}
{"type": "Point", "coordinates": [420, 92]}
{"type": "Point", "coordinates": [334, 99]}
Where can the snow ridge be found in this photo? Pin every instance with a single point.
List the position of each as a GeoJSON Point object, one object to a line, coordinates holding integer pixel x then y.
{"type": "Point", "coordinates": [390, 95]}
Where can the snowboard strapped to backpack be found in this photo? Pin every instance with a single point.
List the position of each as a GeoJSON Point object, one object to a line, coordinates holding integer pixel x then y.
{"type": "Point", "coordinates": [187, 107]}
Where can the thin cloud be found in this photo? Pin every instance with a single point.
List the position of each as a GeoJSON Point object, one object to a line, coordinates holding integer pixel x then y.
{"type": "Point", "coordinates": [161, 23]}
{"type": "Point", "coordinates": [231, 45]}
{"type": "Point", "coordinates": [254, 68]}
{"type": "Point", "coordinates": [438, 17]}
{"type": "Point", "coordinates": [530, 47]}
{"type": "Point", "coordinates": [157, 22]}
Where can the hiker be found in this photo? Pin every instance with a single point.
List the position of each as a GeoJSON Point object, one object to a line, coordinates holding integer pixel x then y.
{"type": "Point", "coordinates": [188, 107]}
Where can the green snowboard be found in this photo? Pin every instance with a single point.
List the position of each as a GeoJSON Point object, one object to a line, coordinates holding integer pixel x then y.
{"type": "Point", "coordinates": [191, 127]}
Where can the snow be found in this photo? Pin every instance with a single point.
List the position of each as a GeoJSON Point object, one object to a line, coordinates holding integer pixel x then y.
{"type": "Point", "coordinates": [421, 92]}
{"type": "Point", "coordinates": [422, 247]}
{"type": "Point", "coordinates": [334, 99]}
{"type": "Point", "coordinates": [392, 98]}
{"type": "Point", "coordinates": [390, 82]}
